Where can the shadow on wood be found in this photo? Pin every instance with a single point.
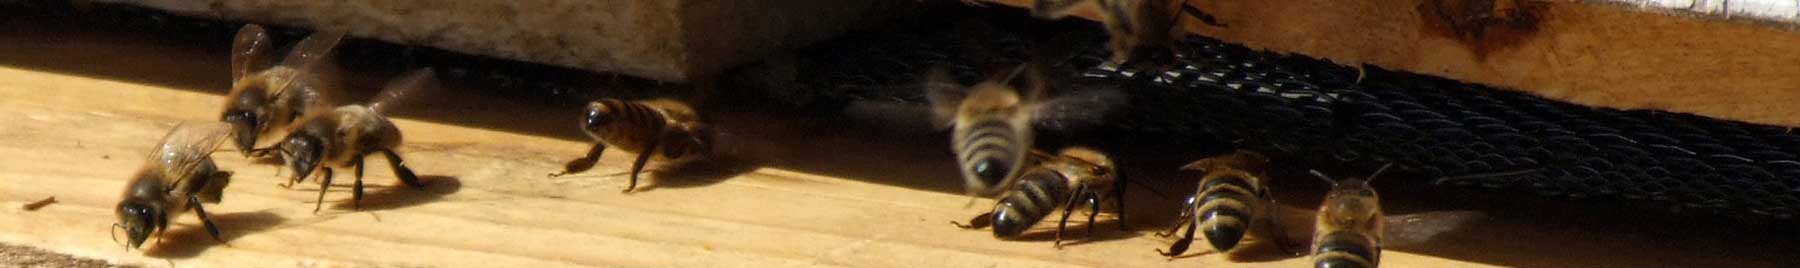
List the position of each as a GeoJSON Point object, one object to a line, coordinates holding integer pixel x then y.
{"type": "Point", "coordinates": [188, 240]}
{"type": "Point", "coordinates": [399, 196]}
{"type": "Point", "coordinates": [695, 174]}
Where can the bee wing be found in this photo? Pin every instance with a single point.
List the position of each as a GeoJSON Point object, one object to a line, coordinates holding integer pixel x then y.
{"type": "Point", "coordinates": [403, 89]}
{"type": "Point", "coordinates": [1087, 109]}
{"type": "Point", "coordinates": [184, 150]}
{"type": "Point", "coordinates": [1055, 9]}
{"type": "Point", "coordinates": [944, 94]}
{"type": "Point", "coordinates": [248, 50]}
{"type": "Point", "coordinates": [895, 117]}
{"type": "Point", "coordinates": [310, 51]}
{"type": "Point", "coordinates": [1419, 229]}
{"type": "Point", "coordinates": [1202, 165]}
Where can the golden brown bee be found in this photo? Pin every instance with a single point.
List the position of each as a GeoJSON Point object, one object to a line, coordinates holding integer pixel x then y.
{"type": "Point", "coordinates": [1135, 26]}
{"type": "Point", "coordinates": [342, 137]}
{"type": "Point", "coordinates": [643, 127]}
{"type": "Point", "coordinates": [992, 126]}
{"type": "Point", "coordinates": [1349, 227]}
{"type": "Point", "coordinates": [179, 176]}
{"type": "Point", "coordinates": [1233, 195]}
{"type": "Point", "coordinates": [1063, 180]}
{"type": "Point", "coordinates": [265, 101]}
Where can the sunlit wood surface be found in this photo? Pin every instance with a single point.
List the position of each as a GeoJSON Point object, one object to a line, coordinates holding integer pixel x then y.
{"type": "Point", "coordinates": [78, 112]}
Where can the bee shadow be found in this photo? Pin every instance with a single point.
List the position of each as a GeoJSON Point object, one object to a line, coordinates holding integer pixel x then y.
{"type": "Point", "coordinates": [188, 240]}
{"type": "Point", "coordinates": [1077, 232]}
{"type": "Point", "coordinates": [394, 197]}
{"type": "Point", "coordinates": [696, 174]}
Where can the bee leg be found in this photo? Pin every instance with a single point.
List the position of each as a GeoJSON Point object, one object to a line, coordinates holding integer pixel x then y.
{"type": "Point", "coordinates": [638, 166]}
{"type": "Point", "coordinates": [1119, 196]}
{"type": "Point", "coordinates": [979, 221]}
{"type": "Point", "coordinates": [1068, 208]}
{"type": "Point", "coordinates": [162, 224]}
{"type": "Point", "coordinates": [356, 190]}
{"type": "Point", "coordinates": [400, 170]}
{"type": "Point", "coordinates": [584, 163]}
{"type": "Point", "coordinates": [324, 184]}
{"type": "Point", "coordinates": [1181, 246]}
{"type": "Point", "coordinates": [1187, 215]}
{"type": "Point", "coordinates": [1093, 201]}
{"type": "Point", "coordinates": [1273, 225]}
{"type": "Point", "coordinates": [204, 220]}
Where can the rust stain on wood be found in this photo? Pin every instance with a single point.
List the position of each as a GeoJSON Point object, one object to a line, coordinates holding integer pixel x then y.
{"type": "Point", "coordinates": [1484, 26]}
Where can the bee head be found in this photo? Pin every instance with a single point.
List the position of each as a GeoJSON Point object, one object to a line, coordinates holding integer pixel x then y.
{"type": "Point", "coordinates": [245, 114]}
{"type": "Point", "coordinates": [1350, 200]}
{"type": "Point", "coordinates": [599, 114]}
{"type": "Point", "coordinates": [139, 217]}
{"type": "Point", "coordinates": [302, 153]}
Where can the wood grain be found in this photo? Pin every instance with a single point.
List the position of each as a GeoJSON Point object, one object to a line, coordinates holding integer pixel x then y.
{"type": "Point", "coordinates": [1596, 54]}
{"type": "Point", "coordinates": [81, 110]}
{"type": "Point", "coordinates": [487, 203]}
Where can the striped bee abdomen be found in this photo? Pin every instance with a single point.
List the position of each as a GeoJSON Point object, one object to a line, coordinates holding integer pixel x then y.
{"type": "Point", "coordinates": [989, 152]}
{"type": "Point", "coordinates": [1226, 203]}
{"type": "Point", "coordinates": [1038, 193]}
{"type": "Point", "coordinates": [624, 125]}
{"type": "Point", "coordinates": [1345, 249]}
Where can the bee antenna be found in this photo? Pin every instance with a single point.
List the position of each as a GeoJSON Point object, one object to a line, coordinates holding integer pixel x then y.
{"type": "Point", "coordinates": [1372, 176]}
{"type": "Point", "coordinates": [115, 235]}
{"type": "Point", "coordinates": [1010, 75]}
{"type": "Point", "coordinates": [1322, 176]}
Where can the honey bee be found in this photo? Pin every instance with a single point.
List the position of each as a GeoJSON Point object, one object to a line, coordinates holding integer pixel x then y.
{"type": "Point", "coordinates": [1136, 26]}
{"type": "Point", "coordinates": [1350, 226]}
{"type": "Point", "coordinates": [1233, 195]}
{"type": "Point", "coordinates": [265, 101]}
{"type": "Point", "coordinates": [991, 126]}
{"type": "Point", "coordinates": [1074, 175]}
{"type": "Point", "coordinates": [179, 176]}
{"type": "Point", "coordinates": [342, 137]}
{"type": "Point", "coordinates": [643, 127]}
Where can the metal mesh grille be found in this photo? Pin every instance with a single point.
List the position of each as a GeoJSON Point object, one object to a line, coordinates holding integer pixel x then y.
{"type": "Point", "coordinates": [1303, 107]}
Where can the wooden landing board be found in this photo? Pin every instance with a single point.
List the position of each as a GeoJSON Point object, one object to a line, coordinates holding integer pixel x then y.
{"type": "Point", "coordinates": [488, 204]}
{"type": "Point", "coordinates": [1618, 53]}
{"type": "Point", "coordinates": [78, 112]}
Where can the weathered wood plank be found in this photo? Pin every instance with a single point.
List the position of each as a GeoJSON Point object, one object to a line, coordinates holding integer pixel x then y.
{"type": "Point", "coordinates": [78, 112]}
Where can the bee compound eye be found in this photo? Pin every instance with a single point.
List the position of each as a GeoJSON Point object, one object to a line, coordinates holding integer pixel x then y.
{"type": "Point", "coordinates": [597, 116]}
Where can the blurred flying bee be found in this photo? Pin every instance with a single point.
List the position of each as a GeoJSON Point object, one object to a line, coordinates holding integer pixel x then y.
{"type": "Point", "coordinates": [1137, 27]}
{"type": "Point", "coordinates": [1064, 180]}
{"type": "Point", "coordinates": [643, 127]}
{"type": "Point", "coordinates": [992, 123]}
{"type": "Point", "coordinates": [1350, 226]}
{"type": "Point", "coordinates": [1233, 195]}
{"type": "Point", "coordinates": [342, 137]}
{"type": "Point", "coordinates": [179, 176]}
{"type": "Point", "coordinates": [265, 101]}
{"type": "Point", "coordinates": [992, 130]}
